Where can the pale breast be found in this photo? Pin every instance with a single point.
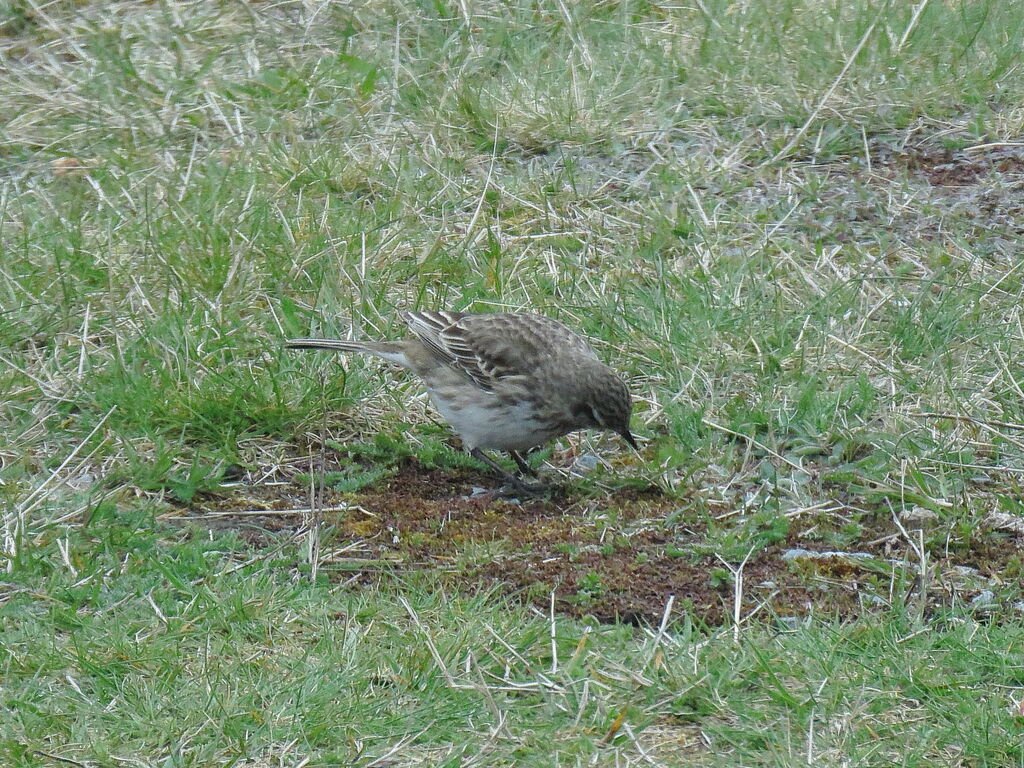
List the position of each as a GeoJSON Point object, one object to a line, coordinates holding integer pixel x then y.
{"type": "Point", "coordinates": [491, 423]}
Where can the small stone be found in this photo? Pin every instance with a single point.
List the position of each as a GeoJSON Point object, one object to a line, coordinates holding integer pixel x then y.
{"type": "Point", "coordinates": [917, 514]}
{"type": "Point", "coordinates": [67, 166]}
{"type": "Point", "coordinates": [984, 600]}
{"type": "Point", "coordinates": [1002, 521]}
{"type": "Point", "coordinates": [82, 481]}
{"type": "Point", "coordinates": [795, 554]}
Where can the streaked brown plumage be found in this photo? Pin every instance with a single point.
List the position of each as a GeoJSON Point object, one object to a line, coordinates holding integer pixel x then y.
{"type": "Point", "coordinates": [504, 381]}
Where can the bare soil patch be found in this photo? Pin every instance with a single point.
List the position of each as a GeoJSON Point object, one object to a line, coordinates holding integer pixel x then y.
{"type": "Point", "coordinates": [618, 555]}
{"type": "Point", "coordinates": [963, 168]}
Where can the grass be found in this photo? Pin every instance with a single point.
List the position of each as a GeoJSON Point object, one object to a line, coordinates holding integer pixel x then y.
{"type": "Point", "coordinates": [792, 225]}
{"type": "Point", "coordinates": [207, 656]}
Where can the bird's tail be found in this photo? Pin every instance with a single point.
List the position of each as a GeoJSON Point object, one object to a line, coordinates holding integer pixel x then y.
{"type": "Point", "coordinates": [389, 350]}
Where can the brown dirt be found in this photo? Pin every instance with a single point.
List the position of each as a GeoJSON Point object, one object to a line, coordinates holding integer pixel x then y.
{"type": "Point", "coordinates": [615, 555]}
{"type": "Point", "coordinates": [949, 168]}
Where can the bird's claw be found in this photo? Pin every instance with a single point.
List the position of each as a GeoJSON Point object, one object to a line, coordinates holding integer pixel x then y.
{"type": "Point", "coordinates": [518, 487]}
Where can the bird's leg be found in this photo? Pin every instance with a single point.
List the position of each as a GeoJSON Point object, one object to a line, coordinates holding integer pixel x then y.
{"type": "Point", "coordinates": [520, 461]}
{"type": "Point", "coordinates": [479, 455]}
{"type": "Point", "coordinates": [515, 483]}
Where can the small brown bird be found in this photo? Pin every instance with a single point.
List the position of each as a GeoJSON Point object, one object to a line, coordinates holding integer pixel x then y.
{"type": "Point", "coordinates": [504, 381]}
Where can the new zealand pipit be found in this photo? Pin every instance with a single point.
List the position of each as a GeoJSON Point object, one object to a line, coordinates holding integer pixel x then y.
{"type": "Point", "coordinates": [507, 382]}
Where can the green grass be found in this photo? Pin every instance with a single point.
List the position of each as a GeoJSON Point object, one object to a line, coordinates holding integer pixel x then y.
{"type": "Point", "coordinates": [785, 222]}
{"type": "Point", "coordinates": [208, 655]}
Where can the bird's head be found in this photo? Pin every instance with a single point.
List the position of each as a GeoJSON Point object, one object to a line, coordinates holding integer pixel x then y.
{"type": "Point", "coordinates": [610, 405]}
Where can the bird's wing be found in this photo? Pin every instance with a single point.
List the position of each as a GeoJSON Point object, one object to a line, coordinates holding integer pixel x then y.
{"type": "Point", "coordinates": [429, 327]}
{"type": "Point", "coordinates": [489, 347]}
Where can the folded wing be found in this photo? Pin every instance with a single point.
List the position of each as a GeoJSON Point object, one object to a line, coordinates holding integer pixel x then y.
{"type": "Point", "coordinates": [489, 347]}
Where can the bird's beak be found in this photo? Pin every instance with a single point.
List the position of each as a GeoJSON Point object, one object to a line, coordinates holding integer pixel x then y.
{"type": "Point", "coordinates": [629, 439]}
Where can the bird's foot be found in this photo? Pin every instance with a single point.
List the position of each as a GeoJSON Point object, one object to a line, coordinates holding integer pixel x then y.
{"type": "Point", "coordinates": [513, 490]}
{"type": "Point", "coordinates": [516, 486]}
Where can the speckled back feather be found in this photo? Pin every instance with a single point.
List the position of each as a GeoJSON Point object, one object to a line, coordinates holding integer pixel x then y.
{"type": "Point", "coordinates": [493, 347]}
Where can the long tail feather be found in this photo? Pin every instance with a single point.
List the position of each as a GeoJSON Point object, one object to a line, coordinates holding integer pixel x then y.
{"type": "Point", "coordinates": [392, 351]}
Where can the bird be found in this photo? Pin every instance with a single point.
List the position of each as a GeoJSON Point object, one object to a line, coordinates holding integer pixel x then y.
{"type": "Point", "coordinates": [504, 381]}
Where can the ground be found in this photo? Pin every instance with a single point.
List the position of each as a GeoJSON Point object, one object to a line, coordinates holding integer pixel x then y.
{"type": "Point", "coordinates": [620, 555]}
{"type": "Point", "coordinates": [792, 226]}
